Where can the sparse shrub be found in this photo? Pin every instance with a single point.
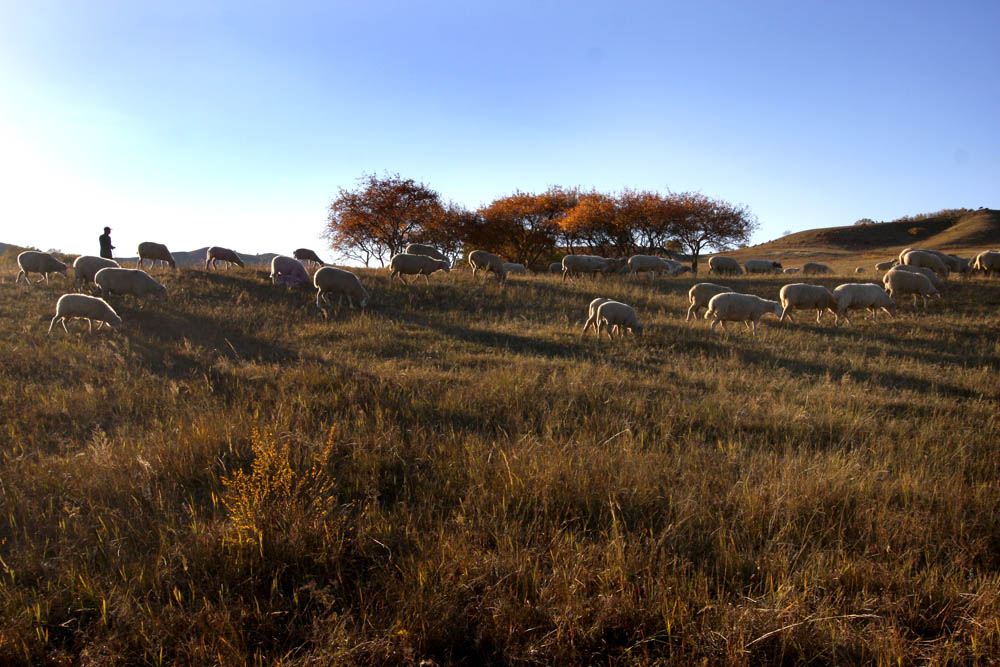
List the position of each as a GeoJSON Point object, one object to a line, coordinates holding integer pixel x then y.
{"type": "Point", "coordinates": [281, 497]}
{"type": "Point", "coordinates": [916, 231]}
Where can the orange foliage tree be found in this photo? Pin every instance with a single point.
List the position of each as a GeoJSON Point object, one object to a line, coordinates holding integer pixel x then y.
{"type": "Point", "coordinates": [522, 227]}
{"type": "Point", "coordinates": [699, 222]}
{"type": "Point", "coordinates": [624, 224]}
{"type": "Point", "coordinates": [381, 216]}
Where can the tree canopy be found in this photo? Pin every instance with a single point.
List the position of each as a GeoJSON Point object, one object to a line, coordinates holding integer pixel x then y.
{"type": "Point", "coordinates": [382, 215]}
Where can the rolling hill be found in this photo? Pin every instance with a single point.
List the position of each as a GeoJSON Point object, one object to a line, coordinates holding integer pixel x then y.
{"type": "Point", "coordinates": [946, 229]}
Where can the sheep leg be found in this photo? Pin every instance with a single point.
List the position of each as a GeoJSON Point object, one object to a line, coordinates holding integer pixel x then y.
{"type": "Point", "coordinates": [753, 329]}
{"type": "Point", "coordinates": [319, 303]}
{"type": "Point", "coordinates": [53, 322]}
{"type": "Point", "coordinates": [690, 308]}
{"type": "Point", "coordinates": [426, 279]}
{"type": "Point", "coordinates": [90, 326]}
{"type": "Point", "coordinates": [787, 312]}
{"type": "Point", "coordinates": [591, 321]}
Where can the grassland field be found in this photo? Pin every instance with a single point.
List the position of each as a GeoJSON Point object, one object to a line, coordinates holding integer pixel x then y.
{"type": "Point", "coordinates": [456, 476]}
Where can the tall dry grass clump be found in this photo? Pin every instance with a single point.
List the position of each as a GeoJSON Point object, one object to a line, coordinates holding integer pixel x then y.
{"type": "Point", "coordinates": [456, 475]}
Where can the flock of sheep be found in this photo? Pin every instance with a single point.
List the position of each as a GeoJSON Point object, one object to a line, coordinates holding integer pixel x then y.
{"type": "Point", "coordinates": [916, 272]}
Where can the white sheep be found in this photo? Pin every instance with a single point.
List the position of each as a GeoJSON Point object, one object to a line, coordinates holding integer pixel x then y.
{"type": "Point", "coordinates": [863, 295]}
{"type": "Point", "coordinates": [592, 315]}
{"type": "Point", "coordinates": [746, 308]}
{"type": "Point", "coordinates": [804, 295]}
{"type": "Point", "coordinates": [792, 269]}
{"type": "Point", "coordinates": [422, 249]}
{"type": "Point", "coordinates": [289, 272]}
{"type": "Point", "coordinates": [724, 265]}
{"type": "Point", "coordinates": [480, 260]}
{"type": "Point", "coordinates": [330, 282]}
{"type": "Point", "coordinates": [927, 260]}
{"type": "Point", "coordinates": [415, 265]}
{"type": "Point", "coordinates": [33, 261]}
{"type": "Point", "coordinates": [898, 283]}
{"type": "Point", "coordinates": [154, 252]}
{"type": "Point", "coordinates": [555, 267]}
{"type": "Point", "coordinates": [307, 255]}
{"type": "Point", "coordinates": [575, 265]}
{"type": "Point", "coordinates": [511, 267]}
{"type": "Point", "coordinates": [612, 314]}
{"type": "Point", "coordinates": [699, 296]}
{"type": "Point", "coordinates": [217, 254]}
{"type": "Point", "coordinates": [651, 264]}
{"type": "Point", "coordinates": [885, 266]}
{"type": "Point", "coordinates": [85, 267]}
{"type": "Point", "coordinates": [132, 282]}
{"type": "Point", "coordinates": [987, 261]}
{"type": "Point", "coordinates": [951, 261]}
{"type": "Point", "coordinates": [762, 266]}
{"type": "Point", "coordinates": [923, 270]}
{"type": "Point", "coordinates": [815, 267]}
{"type": "Point", "coordinates": [85, 307]}
{"type": "Point", "coordinates": [859, 269]}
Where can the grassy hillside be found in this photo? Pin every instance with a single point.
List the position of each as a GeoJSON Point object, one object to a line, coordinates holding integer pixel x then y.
{"type": "Point", "coordinates": [944, 230]}
{"type": "Point", "coordinates": [457, 475]}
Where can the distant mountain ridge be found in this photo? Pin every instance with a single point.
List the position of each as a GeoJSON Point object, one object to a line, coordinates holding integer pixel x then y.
{"type": "Point", "coordinates": [183, 257]}
{"type": "Point", "coordinates": [197, 258]}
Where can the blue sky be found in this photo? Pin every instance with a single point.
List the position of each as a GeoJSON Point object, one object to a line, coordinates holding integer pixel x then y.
{"type": "Point", "coordinates": [235, 124]}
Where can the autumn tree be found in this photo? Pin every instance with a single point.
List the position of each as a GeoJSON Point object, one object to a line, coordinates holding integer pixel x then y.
{"type": "Point", "coordinates": [594, 223]}
{"type": "Point", "coordinates": [451, 231]}
{"type": "Point", "coordinates": [523, 227]}
{"type": "Point", "coordinates": [700, 222]}
{"type": "Point", "coordinates": [380, 217]}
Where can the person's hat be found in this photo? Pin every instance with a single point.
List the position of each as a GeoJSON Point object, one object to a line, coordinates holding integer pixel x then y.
{"type": "Point", "coordinates": [107, 229]}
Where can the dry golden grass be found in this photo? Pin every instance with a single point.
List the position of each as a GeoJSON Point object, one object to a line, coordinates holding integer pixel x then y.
{"type": "Point", "coordinates": [457, 475]}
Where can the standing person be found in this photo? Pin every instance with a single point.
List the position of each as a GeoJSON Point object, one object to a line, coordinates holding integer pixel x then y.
{"type": "Point", "coordinates": [106, 246]}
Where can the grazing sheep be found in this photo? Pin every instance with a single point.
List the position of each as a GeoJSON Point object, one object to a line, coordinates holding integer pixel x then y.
{"type": "Point", "coordinates": [415, 265]}
{"type": "Point", "coordinates": [792, 269]}
{"type": "Point", "coordinates": [927, 260]}
{"type": "Point", "coordinates": [592, 314]}
{"type": "Point", "coordinates": [923, 270]}
{"type": "Point", "coordinates": [611, 314]}
{"type": "Point", "coordinates": [724, 265]}
{"type": "Point", "coordinates": [289, 272]}
{"type": "Point", "coordinates": [987, 261]}
{"type": "Point", "coordinates": [307, 255]}
{"type": "Point", "coordinates": [700, 295]}
{"type": "Point", "coordinates": [898, 283]}
{"type": "Point", "coordinates": [746, 308]}
{"type": "Point", "coordinates": [82, 306]}
{"type": "Point", "coordinates": [422, 249]}
{"type": "Point", "coordinates": [217, 254]}
{"type": "Point", "coordinates": [964, 264]}
{"type": "Point", "coordinates": [682, 269]}
{"type": "Point", "coordinates": [480, 260]}
{"type": "Point", "coordinates": [803, 295]}
{"type": "Point", "coordinates": [814, 267]}
{"type": "Point", "coordinates": [863, 295]}
{"type": "Point", "coordinates": [133, 282]}
{"type": "Point", "coordinates": [85, 267]}
{"type": "Point", "coordinates": [951, 261]}
{"type": "Point", "coordinates": [651, 264]}
{"type": "Point", "coordinates": [511, 267]}
{"type": "Point", "coordinates": [330, 281]}
{"type": "Point", "coordinates": [859, 269]}
{"type": "Point", "coordinates": [885, 266]}
{"type": "Point", "coordinates": [154, 252]}
{"type": "Point", "coordinates": [32, 261]}
{"type": "Point", "coordinates": [574, 265]}
{"type": "Point", "coordinates": [762, 266]}
{"type": "Point", "coordinates": [555, 267]}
